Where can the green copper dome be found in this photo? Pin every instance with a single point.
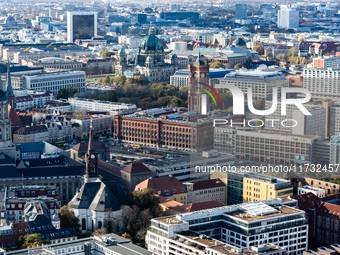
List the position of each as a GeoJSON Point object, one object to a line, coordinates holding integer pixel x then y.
{"type": "Point", "coordinates": [151, 42]}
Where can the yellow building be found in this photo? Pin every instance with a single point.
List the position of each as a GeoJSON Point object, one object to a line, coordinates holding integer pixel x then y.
{"type": "Point", "coordinates": [250, 187]}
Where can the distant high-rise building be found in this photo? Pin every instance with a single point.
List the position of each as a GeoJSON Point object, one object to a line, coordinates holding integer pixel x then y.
{"type": "Point", "coordinates": [81, 25]}
{"type": "Point", "coordinates": [288, 17]}
{"type": "Point", "coordinates": [240, 11]}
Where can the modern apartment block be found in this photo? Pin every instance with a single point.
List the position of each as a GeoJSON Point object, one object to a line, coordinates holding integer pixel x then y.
{"type": "Point", "coordinates": [245, 186]}
{"type": "Point", "coordinates": [288, 17]}
{"type": "Point", "coordinates": [243, 225]}
{"type": "Point", "coordinates": [262, 82]}
{"type": "Point", "coordinates": [113, 108]}
{"type": "Point", "coordinates": [323, 83]}
{"type": "Point", "coordinates": [326, 62]}
{"type": "Point", "coordinates": [55, 81]}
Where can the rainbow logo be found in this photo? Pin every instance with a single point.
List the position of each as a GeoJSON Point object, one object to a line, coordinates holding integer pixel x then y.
{"type": "Point", "coordinates": [210, 94]}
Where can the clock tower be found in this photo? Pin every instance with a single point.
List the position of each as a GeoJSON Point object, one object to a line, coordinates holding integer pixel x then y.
{"type": "Point", "coordinates": [198, 99]}
{"type": "Point", "coordinates": [91, 159]}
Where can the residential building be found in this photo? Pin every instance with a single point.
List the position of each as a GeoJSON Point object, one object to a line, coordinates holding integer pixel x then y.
{"type": "Point", "coordinates": [322, 82]}
{"type": "Point", "coordinates": [113, 108]}
{"type": "Point", "coordinates": [31, 134]}
{"type": "Point", "coordinates": [323, 218]}
{"type": "Point", "coordinates": [261, 81]}
{"type": "Point", "coordinates": [206, 191]}
{"type": "Point", "coordinates": [309, 189]}
{"type": "Point", "coordinates": [165, 186]}
{"type": "Point", "coordinates": [102, 124]}
{"type": "Point", "coordinates": [334, 154]}
{"type": "Point", "coordinates": [135, 173]}
{"type": "Point", "coordinates": [325, 62]}
{"type": "Point", "coordinates": [239, 225]}
{"type": "Point", "coordinates": [288, 17]}
{"type": "Point", "coordinates": [81, 25]}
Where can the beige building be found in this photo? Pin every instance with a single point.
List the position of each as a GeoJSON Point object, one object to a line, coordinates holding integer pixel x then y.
{"type": "Point", "coordinates": [31, 134]}
{"type": "Point", "coordinates": [205, 191]}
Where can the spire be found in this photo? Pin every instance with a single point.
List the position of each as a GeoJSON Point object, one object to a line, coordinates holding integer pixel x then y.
{"type": "Point", "coordinates": [9, 91]}
{"type": "Point", "coordinates": [91, 141]}
{"type": "Point", "coordinates": [150, 30]}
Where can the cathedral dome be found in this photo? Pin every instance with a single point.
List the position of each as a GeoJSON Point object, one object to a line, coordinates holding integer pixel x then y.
{"type": "Point", "coordinates": [151, 42]}
{"type": "Point", "coordinates": [121, 51]}
{"type": "Point", "coordinates": [2, 96]}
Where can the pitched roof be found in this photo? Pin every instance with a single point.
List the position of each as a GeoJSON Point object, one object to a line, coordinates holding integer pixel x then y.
{"type": "Point", "coordinates": [82, 147]}
{"type": "Point", "coordinates": [31, 130]}
{"type": "Point", "coordinates": [14, 117]}
{"type": "Point", "coordinates": [136, 168]}
{"type": "Point", "coordinates": [107, 167]}
{"type": "Point", "coordinates": [98, 196]}
{"type": "Point", "coordinates": [207, 184]}
{"type": "Point", "coordinates": [307, 201]}
{"type": "Point", "coordinates": [161, 183]}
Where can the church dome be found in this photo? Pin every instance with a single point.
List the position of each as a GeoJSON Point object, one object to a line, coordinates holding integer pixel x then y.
{"type": "Point", "coordinates": [2, 96]}
{"type": "Point", "coordinates": [151, 42]}
{"type": "Point", "coordinates": [121, 51]}
{"type": "Point", "coordinates": [174, 56]}
{"type": "Point", "coordinates": [149, 59]}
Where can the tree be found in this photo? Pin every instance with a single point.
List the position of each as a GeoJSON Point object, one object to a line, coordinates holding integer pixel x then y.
{"type": "Point", "coordinates": [106, 79]}
{"type": "Point", "coordinates": [215, 64]}
{"type": "Point", "coordinates": [248, 62]}
{"type": "Point", "coordinates": [31, 240]}
{"type": "Point", "coordinates": [68, 219]}
{"type": "Point", "coordinates": [66, 93]}
{"type": "Point", "coordinates": [237, 66]}
{"type": "Point", "coordinates": [294, 51]}
{"type": "Point", "coordinates": [259, 48]}
{"type": "Point", "coordinates": [145, 199]}
{"type": "Point", "coordinates": [100, 232]}
{"type": "Point", "coordinates": [301, 39]}
{"type": "Point", "coordinates": [230, 40]}
{"type": "Point", "coordinates": [126, 236]}
{"type": "Point", "coordinates": [120, 79]}
{"type": "Point", "coordinates": [107, 53]}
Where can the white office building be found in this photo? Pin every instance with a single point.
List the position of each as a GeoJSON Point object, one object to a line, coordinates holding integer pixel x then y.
{"type": "Point", "coordinates": [243, 225]}
{"type": "Point", "coordinates": [324, 83]}
{"type": "Point", "coordinates": [113, 108]}
{"type": "Point", "coordinates": [326, 62]}
{"type": "Point", "coordinates": [55, 81]}
{"type": "Point", "coordinates": [309, 189]}
{"type": "Point", "coordinates": [288, 17]}
{"type": "Point", "coordinates": [81, 25]}
{"type": "Point", "coordinates": [261, 81]}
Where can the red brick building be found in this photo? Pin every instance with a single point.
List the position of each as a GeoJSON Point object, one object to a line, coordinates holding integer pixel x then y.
{"type": "Point", "coordinates": [180, 134]}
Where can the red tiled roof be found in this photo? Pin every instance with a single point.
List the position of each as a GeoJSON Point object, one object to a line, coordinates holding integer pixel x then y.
{"type": "Point", "coordinates": [207, 184]}
{"type": "Point", "coordinates": [189, 207]}
{"type": "Point", "coordinates": [308, 200]}
{"type": "Point", "coordinates": [19, 229]}
{"type": "Point", "coordinates": [109, 168]}
{"type": "Point", "coordinates": [13, 116]}
{"type": "Point", "coordinates": [161, 183]}
{"type": "Point", "coordinates": [31, 130]}
{"type": "Point", "coordinates": [329, 209]}
{"type": "Point", "coordinates": [136, 168]}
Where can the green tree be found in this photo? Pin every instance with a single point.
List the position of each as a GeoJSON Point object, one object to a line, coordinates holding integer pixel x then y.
{"type": "Point", "coordinates": [107, 53]}
{"type": "Point", "coordinates": [120, 79]}
{"type": "Point", "coordinates": [215, 64]}
{"type": "Point", "coordinates": [238, 66]}
{"type": "Point", "coordinates": [248, 62]}
{"type": "Point", "coordinates": [100, 232]}
{"type": "Point", "coordinates": [259, 48]}
{"type": "Point", "coordinates": [66, 93]}
{"type": "Point", "coordinates": [106, 79]}
{"type": "Point", "coordinates": [145, 199]}
{"type": "Point", "coordinates": [31, 240]}
{"type": "Point", "coordinates": [294, 51]}
{"type": "Point", "coordinates": [68, 219]}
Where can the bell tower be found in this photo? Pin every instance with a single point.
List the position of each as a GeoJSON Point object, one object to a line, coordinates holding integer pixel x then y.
{"type": "Point", "coordinates": [198, 100]}
{"type": "Point", "coordinates": [91, 159]}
